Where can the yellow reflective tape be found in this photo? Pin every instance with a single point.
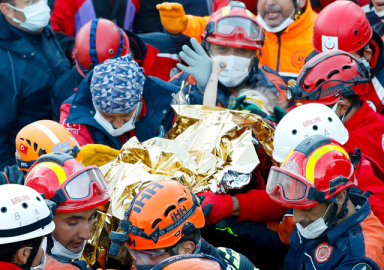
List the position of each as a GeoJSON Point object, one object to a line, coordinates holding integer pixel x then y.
{"type": "Point", "coordinates": [225, 11]}
{"type": "Point", "coordinates": [249, 13]}
{"type": "Point", "coordinates": [290, 153]}
{"type": "Point", "coordinates": [61, 175]}
{"type": "Point", "coordinates": [310, 169]}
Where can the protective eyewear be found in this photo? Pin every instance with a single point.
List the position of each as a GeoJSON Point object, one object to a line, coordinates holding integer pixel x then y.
{"type": "Point", "coordinates": [229, 26]}
{"type": "Point", "coordinates": [80, 186]}
{"type": "Point", "coordinates": [288, 188]}
{"type": "Point", "coordinates": [146, 256]}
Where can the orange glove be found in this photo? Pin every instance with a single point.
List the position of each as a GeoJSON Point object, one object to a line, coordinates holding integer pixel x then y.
{"type": "Point", "coordinates": [173, 17]}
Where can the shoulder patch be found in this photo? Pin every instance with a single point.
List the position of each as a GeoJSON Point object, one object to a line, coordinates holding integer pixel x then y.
{"type": "Point", "coordinates": [362, 266]}
{"type": "Point", "coordinates": [323, 252]}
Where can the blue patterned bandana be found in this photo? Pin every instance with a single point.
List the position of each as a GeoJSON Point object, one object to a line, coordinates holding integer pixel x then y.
{"type": "Point", "coordinates": [117, 85]}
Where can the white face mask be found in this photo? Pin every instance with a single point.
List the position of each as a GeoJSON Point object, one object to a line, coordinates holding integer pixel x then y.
{"type": "Point", "coordinates": [60, 251]}
{"type": "Point", "coordinates": [379, 14]}
{"type": "Point", "coordinates": [287, 22]}
{"type": "Point", "coordinates": [36, 16]}
{"type": "Point", "coordinates": [115, 132]}
{"type": "Point", "coordinates": [315, 229]}
{"type": "Point", "coordinates": [236, 71]}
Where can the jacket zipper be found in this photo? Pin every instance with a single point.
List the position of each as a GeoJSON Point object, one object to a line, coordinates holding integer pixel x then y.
{"type": "Point", "coordinates": [278, 52]}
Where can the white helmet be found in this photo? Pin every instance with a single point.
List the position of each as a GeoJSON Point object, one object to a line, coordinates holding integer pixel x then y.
{"type": "Point", "coordinates": [24, 214]}
{"type": "Point", "coordinates": [304, 121]}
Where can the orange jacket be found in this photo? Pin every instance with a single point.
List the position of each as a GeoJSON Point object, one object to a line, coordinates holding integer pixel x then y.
{"type": "Point", "coordinates": [286, 52]}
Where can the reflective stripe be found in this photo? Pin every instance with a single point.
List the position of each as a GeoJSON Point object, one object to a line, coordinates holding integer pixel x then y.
{"type": "Point", "coordinates": [310, 169]}
{"type": "Point", "coordinates": [289, 74]}
{"type": "Point", "coordinates": [47, 132]}
{"type": "Point", "coordinates": [168, 55]}
{"type": "Point", "coordinates": [379, 89]}
{"type": "Point", "coordinates": [290, 153]}
{"type": "Point", "coordinates": [61, 175]}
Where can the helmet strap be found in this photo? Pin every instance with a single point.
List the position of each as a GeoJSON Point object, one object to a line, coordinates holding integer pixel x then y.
{"type": "Point", "coordinates": [32, 255]}
{"type": "Point", "coordinates": [333, 216]}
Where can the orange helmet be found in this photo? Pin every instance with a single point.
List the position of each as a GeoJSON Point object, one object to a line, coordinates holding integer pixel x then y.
{"type": "Point", "coordinates": [314, 172]}
{"type": "Point", "coordinates": [97, 41]}
{"type": "Point", "coordinates": [191, 262]}
{"type": "Point", "coordinates": [158, 217]}
{"type": "Point", "coordinates": [43, 137]}
{"type": "Point", "coordinates": [68, 183]}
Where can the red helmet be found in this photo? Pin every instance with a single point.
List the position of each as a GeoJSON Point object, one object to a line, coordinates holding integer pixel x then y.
{"type": "Point", "coordinates": [331, 31]}
{"type": "Point", "coordinates": [314, 172]}
{"type": "Point", "coordinates": [68, 183]}
{"type": "Point", "coordinates": [97, 41]}
{"type": "Point", "coordinates": [329, 77]}
{"type": "Point", "coordinates": [234, 26]}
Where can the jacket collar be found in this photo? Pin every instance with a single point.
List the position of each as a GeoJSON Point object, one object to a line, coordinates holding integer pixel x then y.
{"type": "Point", "coordinates": [10, 41]}
{"type": "Point", "coordinates": [361, 214]}
{"type": "Point", "coordinates": [306, 20]}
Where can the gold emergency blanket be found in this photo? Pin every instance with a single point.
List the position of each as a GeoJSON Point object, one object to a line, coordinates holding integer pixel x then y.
{"type": "Point", "coordinates": [209, 148]}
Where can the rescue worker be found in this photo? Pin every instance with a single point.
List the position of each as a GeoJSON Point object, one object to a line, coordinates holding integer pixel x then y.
{"type": "Point", "coordinates": [164, 220]}
{"type": "Point", "coordinates": [330, 226]}
{"type": "Point", "coordinates": [288, 29]}
{"type": "Point", "coordinates": [318, 119]}
{"type": "Point", "coordinates": [34, 140]}
{"type": "Point", "coordinates": [25, 220]}
{"type": "Point", "coordinates": [109, 114]}
{"type": "Point", "coordinates": [233, 33]}
{"type": "Point", "coordinates": [332, 33]}
{"type": "Point", "coordinates": [77, 191]}
{"type": "Point", "coordinates": [26, 41]}
{"type": "Point", "coordinates": [335, 229]}
{"type": "Point", "coordinates": [96, 42]}
{"type": "Point", "coordinates": [337, 79]}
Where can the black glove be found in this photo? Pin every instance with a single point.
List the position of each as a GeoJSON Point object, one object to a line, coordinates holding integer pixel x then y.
{"type": "Point", "coordinates": [237, 260]}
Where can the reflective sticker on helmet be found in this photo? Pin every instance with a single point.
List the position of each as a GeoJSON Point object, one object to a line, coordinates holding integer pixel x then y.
{"type": "Point", "coordinates": [60, 146]}
{"type": "Point", "coordinates": [290, 153]}
{"type": "Point", "coordinates": [310, 169]}
{"type": "Point", "coordinates": [329, 43]}
{"type": "Point", "coordinates": [250, 14]}
{"type": "Point", "coordinates": [145, 194]}
{"type": "Point", "coordinates": [47, 132]}
{"type": "Point", "coordinates": [225, 11]}
{"type": "Point", "coordinates": [292, 166]}
{"type": "Point", "coordinates": [60, 173]}
{"type": "Point", "coordinates": [23, 149]}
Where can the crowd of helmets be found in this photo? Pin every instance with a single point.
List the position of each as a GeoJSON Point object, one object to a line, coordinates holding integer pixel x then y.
{"type": "Point", "coordinates": [79, 78]}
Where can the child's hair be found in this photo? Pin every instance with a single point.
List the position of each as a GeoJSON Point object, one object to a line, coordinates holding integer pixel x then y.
{"type": "Point", "coordinates": [262, 97]}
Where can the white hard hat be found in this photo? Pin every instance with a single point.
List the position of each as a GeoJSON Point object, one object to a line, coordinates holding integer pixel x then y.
{"type": "Point", "coordinates": [24, 214]}
{"type": "Point", "coordinates": [304, 121]}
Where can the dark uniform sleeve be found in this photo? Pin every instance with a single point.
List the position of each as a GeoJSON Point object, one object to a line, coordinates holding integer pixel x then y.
{"type": "Point", "coordinates": [12, 175]}
{"type": "Point", "coordinates": [358, 263]}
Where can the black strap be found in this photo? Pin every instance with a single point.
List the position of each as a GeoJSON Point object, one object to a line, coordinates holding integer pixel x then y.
{"type": "Point", "coordinates": [26, 229]}
{"type": "Point", "coordinates": [35, 248]}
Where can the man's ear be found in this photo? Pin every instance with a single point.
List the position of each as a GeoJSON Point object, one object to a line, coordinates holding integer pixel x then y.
{"type": "Point", "coordinates": [367, 54]}
{"type": "Point", "coordinates": [7, 11]}
{"type": "Point", "coordinates": [342, 107]}
{"type": "Point", "coordinates": [22, 255]}
{"type": "Point", "coordinates": [340, 198]}
{"type": "Point", "coordinates": [186, 248]}
{"type": "Point", "coordinates": [302, 3]}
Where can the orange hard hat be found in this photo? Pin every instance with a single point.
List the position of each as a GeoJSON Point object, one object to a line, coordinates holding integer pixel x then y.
{"type": "Point", "coordinates": [159, 216]}
{"type": "Point", "coordinates": [191, 262]}
{"type": "Point", "coordinates": [43, 137]}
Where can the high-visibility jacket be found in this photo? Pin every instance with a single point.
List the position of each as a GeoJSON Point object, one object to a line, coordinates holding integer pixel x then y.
{"type": "Point", "coordinates": [286, 51]}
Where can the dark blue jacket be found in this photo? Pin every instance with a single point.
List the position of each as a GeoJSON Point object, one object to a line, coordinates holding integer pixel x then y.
{"type": "Point", "coordinates": [12, 175]}
{"type": "Point", "coordinates": [158, 119]}
{"type": "Point", "coordinates": [29, 66]}
{"type": "Point", "coordinates": [350, 243]}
